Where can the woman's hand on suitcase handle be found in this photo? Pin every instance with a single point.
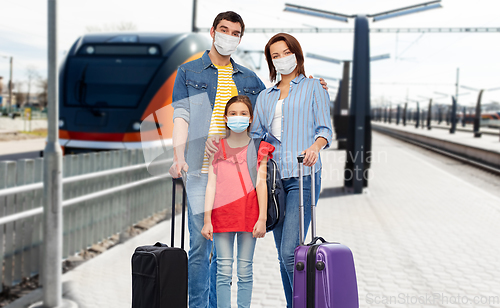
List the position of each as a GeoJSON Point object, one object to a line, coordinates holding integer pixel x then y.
{"type": "Point", "coordinates": [259, 230]}
{"type": "Point", "coordinates": [210, 147]}
{"type": "Point", "coordinates": [311, 155]}
{"type": "Point", "coordinates": [208, 231]}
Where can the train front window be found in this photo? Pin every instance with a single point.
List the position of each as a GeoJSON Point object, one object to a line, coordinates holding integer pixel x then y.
{"type": "Point", "coordinates": [108, 82]}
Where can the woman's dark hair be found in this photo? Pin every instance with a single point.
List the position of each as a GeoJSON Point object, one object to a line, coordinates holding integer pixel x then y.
{"type": "Point", "coordinates": [294, 47]}
{"type": "Point", "coordinates": [229, 16]}
{"type": "Point", "coordinates": [240, 99]}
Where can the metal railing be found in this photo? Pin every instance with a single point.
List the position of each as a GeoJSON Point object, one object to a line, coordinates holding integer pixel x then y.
{"type": "Point", "coordinates": [104, 193]}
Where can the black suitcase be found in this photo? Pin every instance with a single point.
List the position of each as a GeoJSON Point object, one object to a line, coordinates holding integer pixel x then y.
{"type": "Point", "coordinates": [159, 272]}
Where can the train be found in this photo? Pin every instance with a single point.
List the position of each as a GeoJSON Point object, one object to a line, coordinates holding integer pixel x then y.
{"type": "Point", "coordinates": [488, 119]}
{"type": "Point", "coordinates": [110, 82]}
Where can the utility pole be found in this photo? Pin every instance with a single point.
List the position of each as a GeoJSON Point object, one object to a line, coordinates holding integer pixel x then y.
{"type": "Point", "coordinates": [344, 106]}
{"type": "Point", "coordinates": [11, 61]}
{"type": "Point", "coordinates": [405, 111]}
{"type": "Point", "coordinates": [52, 235]}
{"type": "Point", "coordinates": [477, 118]}
{"type": "Point", "coordinates": [10, 84]}
{"type": "Point", "coordinates": [453, 115]}
{"type": "Point", "coordinates": [52, 182]}
{"type": "Point", "coordinates": [193, 21]}
{"type": "Point", "coordinates": [457, 85]}
{"type": "Point", "coordinates": [398, 114]}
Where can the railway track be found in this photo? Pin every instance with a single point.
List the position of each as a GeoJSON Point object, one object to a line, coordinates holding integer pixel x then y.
{"type": "Point", "coordinates": [456, 156]}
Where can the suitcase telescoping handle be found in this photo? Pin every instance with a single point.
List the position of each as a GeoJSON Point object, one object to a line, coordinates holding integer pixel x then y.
{"type": "Point", "coordinates": [300, 160]}
{"type": "Point", "coordinates": [183, 223]}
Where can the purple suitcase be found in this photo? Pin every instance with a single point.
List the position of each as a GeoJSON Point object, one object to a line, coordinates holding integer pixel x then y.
{"type": "Point", "coordinates": [324, 274]}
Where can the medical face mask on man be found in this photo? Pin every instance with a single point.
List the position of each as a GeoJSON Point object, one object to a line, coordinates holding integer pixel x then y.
{"type": "Point", "coordinates": [238, 124]}
{"type": "Point", "coordinates": [226, 44]}
{"type": "Point", "coordinates": [285, 65]}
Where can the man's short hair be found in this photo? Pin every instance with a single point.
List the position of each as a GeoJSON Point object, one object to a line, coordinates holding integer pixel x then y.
{"type": "Point", "coordinates": [229, 16]}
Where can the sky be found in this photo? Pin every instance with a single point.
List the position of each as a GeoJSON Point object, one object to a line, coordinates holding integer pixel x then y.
{"type": "Point", "coordinates": [419, 64]}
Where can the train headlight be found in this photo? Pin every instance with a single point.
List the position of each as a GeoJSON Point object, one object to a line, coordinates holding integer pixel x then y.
{"type": "Point", "coordinates": [90, 50]}
{"type": "Point", "coordinates": [61, 123]}
{"type": "Point", "coordinates": [136, 126]}
{"type": "Point", "coordinates": [152, 50]}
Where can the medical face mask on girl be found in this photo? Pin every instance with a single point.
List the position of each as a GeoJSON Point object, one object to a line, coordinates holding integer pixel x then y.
{"type": "Point", "coordinates": [226, 44]}
{"type": "Point", "coordinates": [238, 124]}
{"type": "Point", "coordinates": [285, 65]}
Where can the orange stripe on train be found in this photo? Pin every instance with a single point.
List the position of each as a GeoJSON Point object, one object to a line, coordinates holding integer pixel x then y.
{"type": "Point", "coordinates": [162, 99]}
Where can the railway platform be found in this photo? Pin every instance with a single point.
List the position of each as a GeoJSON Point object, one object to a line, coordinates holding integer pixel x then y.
{"type": "Point", "coordinates": [421, 237]}
{"type": "Point", "coordinates": [14, 147]}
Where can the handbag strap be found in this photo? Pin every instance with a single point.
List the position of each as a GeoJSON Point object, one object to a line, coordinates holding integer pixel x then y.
{"type": "Point", "coordinates": [252, 157]}
{"type": "Point", "coordinates": [223, 149]}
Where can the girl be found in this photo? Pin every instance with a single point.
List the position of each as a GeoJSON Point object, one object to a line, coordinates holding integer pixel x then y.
{"type": "Point", "coordinates": [233, 207]}
{"type": "Point", "coordinates": [294, 116]}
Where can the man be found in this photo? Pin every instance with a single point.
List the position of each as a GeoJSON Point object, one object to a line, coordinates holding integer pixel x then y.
{"type": "Point", "coordinates": [208, 81]}
{"type": "Point", "coordinates": [202, 88]}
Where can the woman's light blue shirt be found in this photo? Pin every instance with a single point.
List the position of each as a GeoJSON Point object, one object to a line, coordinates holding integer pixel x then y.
{"type": "Point", "coordinates": [305, 117]}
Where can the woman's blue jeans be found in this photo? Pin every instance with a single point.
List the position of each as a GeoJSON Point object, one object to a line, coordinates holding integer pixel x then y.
{"type": "Point", "coordinates": [286, 235]}
{"type": "Point", "coordinates": [224, 245]}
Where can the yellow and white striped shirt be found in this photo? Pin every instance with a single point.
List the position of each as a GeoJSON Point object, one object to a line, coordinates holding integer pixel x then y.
{"type": "Point", "coordinates": [225, 90]}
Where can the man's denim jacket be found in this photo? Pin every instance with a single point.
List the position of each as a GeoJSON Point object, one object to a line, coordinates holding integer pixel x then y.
{"type": "Point", "coordinates": [193, 100]}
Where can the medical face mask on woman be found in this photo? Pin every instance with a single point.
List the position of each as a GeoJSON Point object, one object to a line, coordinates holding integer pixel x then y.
{"type": "Point", "coordinates": [238, 124]}
{"type": "Point", "coordinates": [285, 65]}
{"type": "Point", "coordinates": [226, 44]}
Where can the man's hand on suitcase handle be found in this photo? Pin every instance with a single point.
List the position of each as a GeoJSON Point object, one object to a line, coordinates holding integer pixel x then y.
{"type": "Point", "coordinates": [177, 167]}
{"type": "Point", "coordinates": [208, 231]}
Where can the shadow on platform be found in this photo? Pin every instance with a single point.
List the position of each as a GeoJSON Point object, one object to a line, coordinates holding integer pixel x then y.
{"type": "Point", "coordinates": [331, 192]}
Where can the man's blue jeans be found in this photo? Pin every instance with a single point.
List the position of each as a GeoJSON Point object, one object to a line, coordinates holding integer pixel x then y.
{"type": "Point", "coordinates": [201, 272]}
{"type": "Point", "coordinates": [286, 235]}
{"type": "Point", "coordinates": [245, 249]}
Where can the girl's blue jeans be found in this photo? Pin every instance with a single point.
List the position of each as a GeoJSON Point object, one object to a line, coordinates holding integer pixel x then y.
{"type": "Point", "coordinates": [245, 248]}
{"type": "Point", "coordinates": [286, 235]}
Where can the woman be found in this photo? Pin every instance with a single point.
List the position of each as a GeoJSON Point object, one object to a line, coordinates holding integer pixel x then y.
{"type": "Point", "coordinates": [294, 117]}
